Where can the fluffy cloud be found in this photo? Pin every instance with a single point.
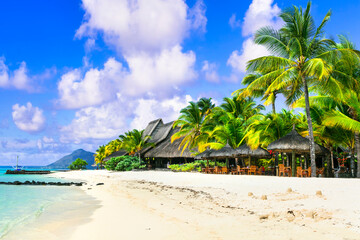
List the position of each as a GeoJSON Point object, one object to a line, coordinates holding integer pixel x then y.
{"type": "Point", "coordinates": [114, 118]}
{"type": "Point", "coordinates": [148, 35]}
{"type": "Point", "coordinates": [210, 71]}
{"type": "Point", "coordinates": [28, 118]}
{"type": "Point", "coordinates": [250, 50]}
{"type": "Point", "coordinates": [142, 25]}
{"type": "Point", "coordinates": [150, 109]}
{"type": "Point", "coordinates": [260, 13]}
{"type": "Point", "coordinates": [20, 78]}
{"type": "Point", "coordinates": [93, 88]}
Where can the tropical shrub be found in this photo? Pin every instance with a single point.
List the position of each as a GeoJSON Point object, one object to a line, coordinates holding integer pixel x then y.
{"type": "Point", "coordinates": [78, 164]}
{"type": "Point", "coordinates": [194, 166]}
{"type": "Point", "coordinates": [112, 163]}
{"type": "Point", "coordinates": [128, 163]}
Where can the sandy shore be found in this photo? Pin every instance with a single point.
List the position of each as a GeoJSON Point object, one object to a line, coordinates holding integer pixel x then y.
{"type": "Point", "coordinates": [167, 205]}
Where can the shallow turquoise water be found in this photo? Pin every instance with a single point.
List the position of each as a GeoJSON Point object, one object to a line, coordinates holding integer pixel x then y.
{"type": "Point", "coordinates": [20, 205]}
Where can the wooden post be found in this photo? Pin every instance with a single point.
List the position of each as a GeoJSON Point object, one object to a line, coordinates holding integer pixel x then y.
{"type": "Point", "coordinates": [287, 159]}
{"type": "Point", "coordinates": [249, 161]}
{"type": "Point", "coordinates": [293, 163]}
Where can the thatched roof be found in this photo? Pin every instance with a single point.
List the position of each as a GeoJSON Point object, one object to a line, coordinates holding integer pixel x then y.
{"type": "Point", "coordinates": [115, 154]}
{"type": "Point", "coordinates": [293, 141]}
{"type": "Point", "coordinates": [245, 150]}
{"type": "Point", "coordinates": [225, 152]}
{"type": "Point", "coordinates": [166, 149]}
{"type": "Point", "coordinates": [158, 133]}
{"type": "Point", "coordinates": [151, 127]}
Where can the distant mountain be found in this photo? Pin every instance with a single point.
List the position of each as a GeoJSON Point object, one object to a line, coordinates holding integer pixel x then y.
{"type": "Point", "coordinates": [65, 161]}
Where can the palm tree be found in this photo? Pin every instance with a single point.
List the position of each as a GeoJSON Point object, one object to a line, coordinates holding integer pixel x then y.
{"type": "Point", "coordinates": [301, 58]}
{"type": "Point", "coordinates": [100, 155]}
{"type": "Point", "coordinates": [133, 141]}
{"type": "Point", "coordinates": [190, 122]}
{"type": "Point", "coordinates": [265, 129]}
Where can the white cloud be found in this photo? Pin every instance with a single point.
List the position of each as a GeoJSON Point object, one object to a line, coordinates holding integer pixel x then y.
{"type": "Point", "coordinates": [233, 22]}
{"type": "Point", "coordinates": [93, 88]}
{"type": "Point", "coordinates": [20, 78]}
{"type": "Point", "coordinates": [114, 118]}
{"type": "Point", "coordinates": [197, 16]}
{"type": "Point", "coordinates": [147, 34]}
{"type": "Point", "coordinates": [159, 74]}
{"type": "Point", "coordinates": [150, 109]}
{"type": "Point", "coordinates": [142, 25]}
{"type": "Point", "coordinates": [250, 50]}
{"type": "Point", "coordinates": [28, 118]}
{"type": "Point", "coordinates": [210, 71]}
{"type": "Point", "coordinates": [260, 13]}
{"type": "Point", "coordinates": [4, 73]}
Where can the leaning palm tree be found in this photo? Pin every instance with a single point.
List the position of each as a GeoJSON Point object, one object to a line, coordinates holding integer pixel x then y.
{"type": "Point", "coordinates": [301, 58]}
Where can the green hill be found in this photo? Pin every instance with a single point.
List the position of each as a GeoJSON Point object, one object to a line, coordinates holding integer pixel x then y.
{"type": "Point", "coordinates": [65, 161]}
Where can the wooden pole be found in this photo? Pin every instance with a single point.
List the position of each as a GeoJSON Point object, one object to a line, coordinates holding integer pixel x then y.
{"type": "Point", "coordinates": [293, 163]}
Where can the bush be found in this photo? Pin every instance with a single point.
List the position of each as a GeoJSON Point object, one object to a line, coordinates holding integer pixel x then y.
{"type": "Point", "coordinates": [124, 163]}
{"type": "Point", "coordinates": [188, 167]}
{"type": "Point", "coordinates": [112, 163]}
{"type": "Point", "coordinates": [78, 164]}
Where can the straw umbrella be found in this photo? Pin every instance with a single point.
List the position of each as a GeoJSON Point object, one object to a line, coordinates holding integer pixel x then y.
{"type": "Point", "coordinates": [245, 151]}
{"type": "Point", "coordinates": [295, 143]}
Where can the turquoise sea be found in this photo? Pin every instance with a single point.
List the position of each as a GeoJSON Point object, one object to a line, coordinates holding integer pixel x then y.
{"type": "Point", "coordinates": [22, 205]}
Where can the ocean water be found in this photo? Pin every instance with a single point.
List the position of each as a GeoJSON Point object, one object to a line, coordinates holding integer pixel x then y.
{"type": "Point", "coordinates": [23, 205]}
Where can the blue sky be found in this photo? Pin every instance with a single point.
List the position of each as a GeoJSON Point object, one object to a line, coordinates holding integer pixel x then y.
{"type": "Point", "coordinates": [76, 74]}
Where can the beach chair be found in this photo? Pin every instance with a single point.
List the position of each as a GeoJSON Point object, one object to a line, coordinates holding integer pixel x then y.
{"type": "Point", "coordinates": [309, 172]}
{"type": "Point", "coordinates": [234, 170]}
{"type": "Point", "coordinates": [281, 170]}
{"type": "Point", "coordinates": [288, 171]}
{"type": "Point", "coordinates": [240, 170]}
{"type": "Point", "coordinates": [260, 171]}
{"type": "Point", "coordinates": [252, 170]}
{"type": "Point", "coordinates": [224, 170]}
{"type": "Point", "coordinates": [299, 172]}
{"type": "Point", "coordinates": [320, 171]}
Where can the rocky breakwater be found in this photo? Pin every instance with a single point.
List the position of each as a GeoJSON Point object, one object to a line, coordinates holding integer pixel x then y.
{"type": "Point", "coordinates": [37, 183]}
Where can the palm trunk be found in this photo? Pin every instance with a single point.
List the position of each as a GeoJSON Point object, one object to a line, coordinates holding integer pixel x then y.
{"type": "Point", "coordinates": [273, 107]}
{"type": "Point", "coordinates": [310, 127]}
{"type": "Point", "coordinates": [293, 163]}
{"type": "Point", "coordinates": [357, 144]}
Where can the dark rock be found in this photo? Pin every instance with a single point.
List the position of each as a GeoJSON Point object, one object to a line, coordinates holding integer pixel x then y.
{"type": "Point", "coordinates": [99, 184]}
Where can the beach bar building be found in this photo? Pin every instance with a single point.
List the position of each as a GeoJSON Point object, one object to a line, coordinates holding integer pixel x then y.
{"type": "Point", "coordinates": [162, 150]}
{"type": "Point", "coordinates": [295, 144]}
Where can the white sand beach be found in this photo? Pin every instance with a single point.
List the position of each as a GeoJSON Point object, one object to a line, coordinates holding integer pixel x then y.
{"type": "Point", "coordinates": [168, 205]}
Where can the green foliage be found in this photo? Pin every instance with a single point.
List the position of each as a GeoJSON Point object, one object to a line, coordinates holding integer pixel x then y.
{"type": "Point", "coordinates": [124, 163]}
{"type": "Point", "coordinates": [266, 163]}
{"type": "Point", "coordinates": [112, 163]}
{"type": "Point", "coordinates": [78, 164]}
{"type": "Point", "coordinates": [194, 166]}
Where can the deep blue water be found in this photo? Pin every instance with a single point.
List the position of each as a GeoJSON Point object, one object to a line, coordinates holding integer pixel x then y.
{"type": "Point", "coordinates": [20, 205]}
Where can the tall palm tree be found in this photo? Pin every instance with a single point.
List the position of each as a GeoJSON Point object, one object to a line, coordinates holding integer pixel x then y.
{"type": "Point", "coordinates": [301, 58]}
{"type": "Point", "coordinates": [190, 122]}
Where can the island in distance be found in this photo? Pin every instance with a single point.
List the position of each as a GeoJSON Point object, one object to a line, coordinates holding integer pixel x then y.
{"type": "Point", "coordinates": [64, 162]}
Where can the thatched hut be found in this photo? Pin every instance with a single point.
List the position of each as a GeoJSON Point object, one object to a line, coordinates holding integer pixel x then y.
{"type": "Point", "coordinates": [163, 151]}
{"type": "Point", "coordinates": [245, 151]}
{"type": "Point", "coordinates": [169, 152]}
{"type": "Point", "coordinates": [294, 143]}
